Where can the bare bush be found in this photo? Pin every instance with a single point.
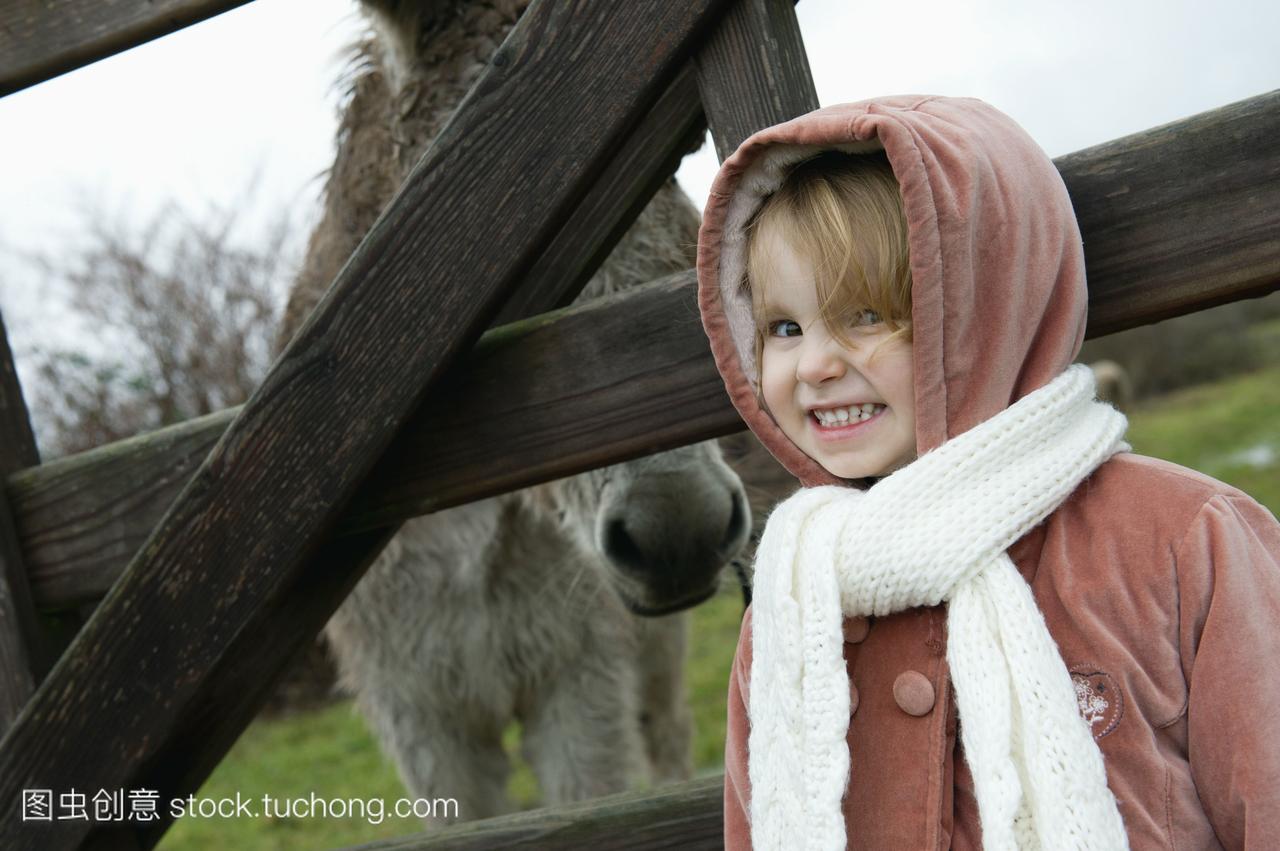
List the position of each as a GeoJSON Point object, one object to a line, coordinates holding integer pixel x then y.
{"type": "Point", "coordinates": [174, 319]}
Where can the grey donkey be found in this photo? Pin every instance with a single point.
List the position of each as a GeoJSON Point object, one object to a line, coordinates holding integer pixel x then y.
{"type": "Point", "coordinates": [563, 606]}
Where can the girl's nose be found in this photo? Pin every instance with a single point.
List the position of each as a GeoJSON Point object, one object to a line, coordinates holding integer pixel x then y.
{"type": "Point", "coordinates": [820, 358]}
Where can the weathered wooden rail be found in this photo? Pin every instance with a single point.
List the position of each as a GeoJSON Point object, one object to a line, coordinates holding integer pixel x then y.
{"type": "Point", "coordinates": [688, 816]}
{"type": "Point", "coordinates": [41, 39]}
{"type": "Point", "coordinates": [238, 534]}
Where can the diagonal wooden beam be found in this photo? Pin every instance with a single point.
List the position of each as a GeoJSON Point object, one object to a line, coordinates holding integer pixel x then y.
{"type": "Point", "coordinates": [167, 664]}
{"type": "Point", "coordinates": [756, 54]}
{"type": "Point", "coordinates": [41, 39]}
{"type": "Point", "coordinates": [650, 156]}
{"type": "Point", "coordinates": [80, 518]}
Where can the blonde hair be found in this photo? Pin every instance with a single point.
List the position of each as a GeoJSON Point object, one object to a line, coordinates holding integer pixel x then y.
{"type": "Point", "coordinates": [843, 213]}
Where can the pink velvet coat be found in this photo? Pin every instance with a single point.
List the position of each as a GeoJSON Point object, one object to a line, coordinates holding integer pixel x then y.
{"type": "Point", "coordinates": [1160, 586]}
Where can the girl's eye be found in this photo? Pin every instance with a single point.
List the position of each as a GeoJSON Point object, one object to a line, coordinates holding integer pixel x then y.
{"type": "Point", "coordinates": [784, 328]}
{"type": "Point", "coordinates": [866, 317]}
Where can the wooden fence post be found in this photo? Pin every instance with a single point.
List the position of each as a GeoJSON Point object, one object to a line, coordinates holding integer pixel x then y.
{"type": "Point", "coordinates": [754, 72]}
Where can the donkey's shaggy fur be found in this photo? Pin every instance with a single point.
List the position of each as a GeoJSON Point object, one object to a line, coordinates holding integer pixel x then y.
{"type": "Point", "coordinates": [522, 606]}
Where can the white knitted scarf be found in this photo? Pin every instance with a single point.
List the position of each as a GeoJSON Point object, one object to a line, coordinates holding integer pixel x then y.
{"type": "Point", "coordinates": [934, 530]}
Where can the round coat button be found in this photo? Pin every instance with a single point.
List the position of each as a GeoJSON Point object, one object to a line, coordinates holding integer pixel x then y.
{"type": "Point", "coordinates": [914, 693]}
{"type": "Point", "coordinates": [853, 699]}
{"type": "Point", "coordinates": [855, 629]}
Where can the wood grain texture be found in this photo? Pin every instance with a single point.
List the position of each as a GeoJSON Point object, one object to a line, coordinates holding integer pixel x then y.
{"type": "Point", "coordinates": [754, 72]}
{"type": "Point", "coordinates": [40, 39]}
{"type": "Point", "coordinates": [649, 156]}
{"type": "Point", "coordinates": [95, 497]}
{"type": "Point", "coordinates": [1180, 217]}
{"type": "Point", "coordinates": [625, 376]}
{"type": "Point", "coordinates": [183, 648]}
{"type": "Point", "coordinates": [77, 517]}
{"type": "Point", "coordinates": [688, 816]}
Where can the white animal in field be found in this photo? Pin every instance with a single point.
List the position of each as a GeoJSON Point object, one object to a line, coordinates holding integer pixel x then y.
{"type": "Point", "coordinates": [561, 606]}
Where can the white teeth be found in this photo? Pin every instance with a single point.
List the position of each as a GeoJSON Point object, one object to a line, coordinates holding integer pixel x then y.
{"type": "Point", "coordinates": [852, 413]}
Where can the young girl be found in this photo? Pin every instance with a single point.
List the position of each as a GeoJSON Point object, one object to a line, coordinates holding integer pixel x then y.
{"type": "Point", "coordinates": [983, 622]}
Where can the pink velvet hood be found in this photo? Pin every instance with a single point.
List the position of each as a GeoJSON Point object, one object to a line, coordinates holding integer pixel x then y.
{"type": "Point", "coordinates": [993, 319]}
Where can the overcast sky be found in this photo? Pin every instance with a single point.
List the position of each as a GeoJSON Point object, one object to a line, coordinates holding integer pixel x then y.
{"type": "Point", "coordinates": [192, 117]}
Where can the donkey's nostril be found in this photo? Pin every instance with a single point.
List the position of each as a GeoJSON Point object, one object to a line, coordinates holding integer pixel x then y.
{"type": "Point", "coordinates": [737, 530]}
{"type": "Point", "coordinates": [620, 546]}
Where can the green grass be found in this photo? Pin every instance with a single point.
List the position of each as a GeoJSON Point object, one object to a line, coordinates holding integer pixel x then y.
{"type": "Point", "coordinates": [1212, 428]}
{"type": "Point", "coordinates": [330, 753]}
{"type": "Point", "coordinates": [327, 752]}
{"type": "Point", "coordinates": [1226, 430]}
{"type": "Point", "coordinates": [712, 640]}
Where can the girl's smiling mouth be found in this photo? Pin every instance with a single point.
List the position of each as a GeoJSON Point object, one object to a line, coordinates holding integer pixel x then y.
{"type": "Point", "coordinates": [840, 422]}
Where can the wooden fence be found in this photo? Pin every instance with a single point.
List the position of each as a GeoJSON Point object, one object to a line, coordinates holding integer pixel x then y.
{"type": "Point", "coordinates": [220, 547]}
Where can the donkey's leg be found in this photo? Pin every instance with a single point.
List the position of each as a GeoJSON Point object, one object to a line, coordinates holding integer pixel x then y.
{"type": "Point", "coordinates": [581, 736]}
{"type": "Point", "coordinates": [665, 720]}
{"type": "Point", "coordinates": [443, 756]}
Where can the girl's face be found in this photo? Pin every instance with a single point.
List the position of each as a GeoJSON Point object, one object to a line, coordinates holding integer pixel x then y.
{"type": "Point", "coordinates": [850, 409]}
